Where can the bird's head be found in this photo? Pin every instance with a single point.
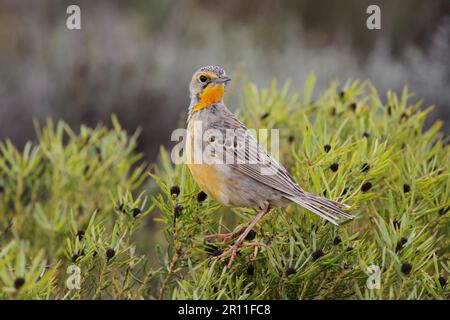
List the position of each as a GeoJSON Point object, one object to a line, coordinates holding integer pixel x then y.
{"type": "Point", "coordinates": [207, 86]}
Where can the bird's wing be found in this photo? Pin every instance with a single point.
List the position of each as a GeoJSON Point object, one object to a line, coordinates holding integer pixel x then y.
{"type": "Point", "coordinates": [250, 158]}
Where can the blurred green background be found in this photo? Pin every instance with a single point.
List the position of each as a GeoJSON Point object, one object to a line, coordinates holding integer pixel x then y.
{"type": "Point", "coordinates": [135, 58]}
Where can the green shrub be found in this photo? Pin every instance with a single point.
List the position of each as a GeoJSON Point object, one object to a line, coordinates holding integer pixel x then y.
{"type": "Point", "coordinates": [59, 206]}
{"type": "Point", "coordinates": [74, 200]}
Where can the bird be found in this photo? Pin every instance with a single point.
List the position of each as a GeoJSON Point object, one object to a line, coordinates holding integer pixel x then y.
{"type": "Point", "coordinates": [229, 164]}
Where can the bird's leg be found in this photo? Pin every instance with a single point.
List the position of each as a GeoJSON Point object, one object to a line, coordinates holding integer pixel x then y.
{"type": "Point", "coordinates": [225, 236]}
{"type": "Point", "coordinates": [232, 251]}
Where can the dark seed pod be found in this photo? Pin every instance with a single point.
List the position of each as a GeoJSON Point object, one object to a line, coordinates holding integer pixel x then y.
{"type": "Point", "coordinates": [353, 106]}
{"type": "Point", "coordinates": [406, 268]}
{"type": "Point", "coordinates": [389, 110]}
{"type": "Point", "coordinates": [86, 169]}
{"type": "Point", "coordinates": [317, 254]}
{"type": "Point", "coordinates": [348, 249]}
{"type": "Point", "coordinates": [75, 256]}
{"type": "Point", "coordinates": [177, 210]}
{"type": "Point", "coordinates": [327, 148]}
{"type": "Point", "coordinates": [212, 250]}
{"type": "Point", "coordinates": [334, 167]}
{"type": "Point", "coordinates": [406, 188]}
{"type": "Point", "coordinates": [201, 196]}
{"type": "Point", "coordinates": [444, 211]}
{"type": "Point", "coordinates": [289, 271]}
{"type": "Point", "coordinates": [337, 240]}
{"type": "Point", "coordinates": [80, 234]}
{"type": "Point", "coordinates": [291, 139]}
{"type": "Point", "coordinates": [333, 111]}
{"type": "Point", "coordinates": [365, 167]}
{"type": "Point", "coordinates": [366, 186]}
{"type": "Point", "coordinates": [250, 269]}
{"type": "Point", "coordinates": [404, 240]}
{"type": "Point", "coordinates": [175, 191]}
{"type": "Point", "coordinates": [251, 235]}
{"type": "Point", "coordinates": [342, 95]}
{"type": "Point", "coordinates": [344, 192]}
{"type": "Point", "coordinates": [442, 281]}
{"type": "Point", "coordinates": [396, 224]}
{"type": "Point", "coordinates": [110, 253]}
{"type": "Point", "coordinates": [366, 135]}
{"type": "Point", "coordinates": [136, 212]}
{"type": "Point", "coordinates": [19, 282]}
{"type": "Point", "coordinates": [265, 115]}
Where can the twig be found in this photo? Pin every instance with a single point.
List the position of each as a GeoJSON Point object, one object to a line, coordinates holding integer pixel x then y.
{"type": "Point", "coordinates": [172, 267]}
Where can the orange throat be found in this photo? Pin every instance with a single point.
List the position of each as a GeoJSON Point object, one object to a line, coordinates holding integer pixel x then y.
{"type": "Point", "coordinates": [213, 93]}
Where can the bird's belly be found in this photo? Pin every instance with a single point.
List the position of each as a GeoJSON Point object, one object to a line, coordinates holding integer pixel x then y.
{"type": "Point", "coordinates": [222, 184]}
{"type": "Point", "coordinates": [209, 177]}
{"type": "Point", "coordinates": [210, 180]}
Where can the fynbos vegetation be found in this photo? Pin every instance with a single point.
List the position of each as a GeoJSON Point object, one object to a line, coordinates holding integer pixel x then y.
{"type": "Point", "coordinates": [79, 200]}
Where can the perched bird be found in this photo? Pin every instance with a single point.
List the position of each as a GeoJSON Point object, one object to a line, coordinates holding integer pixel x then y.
{"type": "Point", "coordinates": [230, 165]}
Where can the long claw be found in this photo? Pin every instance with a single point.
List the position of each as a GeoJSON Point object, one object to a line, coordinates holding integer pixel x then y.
{"type": "Point", "coordinates": [232, 251]}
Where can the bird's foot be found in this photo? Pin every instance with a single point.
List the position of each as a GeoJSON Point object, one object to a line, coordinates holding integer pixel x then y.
{"type": "Point", "coordinates": [225, 237]}
{"type": "Point", "coordinates": [232, 251]}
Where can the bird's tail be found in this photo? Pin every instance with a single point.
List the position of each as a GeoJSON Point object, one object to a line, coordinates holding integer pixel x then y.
{"type": "Point", "coordinates": [327, 209]}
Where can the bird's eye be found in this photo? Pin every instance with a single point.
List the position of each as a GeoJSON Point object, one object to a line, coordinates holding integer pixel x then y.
{"type": "Point", "coordinates": [203, 78]}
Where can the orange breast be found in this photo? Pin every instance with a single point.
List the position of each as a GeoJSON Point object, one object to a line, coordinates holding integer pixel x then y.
{"type": "Point", "coordinates": [209, 178]}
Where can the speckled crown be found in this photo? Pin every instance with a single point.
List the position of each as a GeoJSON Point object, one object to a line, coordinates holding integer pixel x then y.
{"type": "Point", "coordinates": [216, 69]}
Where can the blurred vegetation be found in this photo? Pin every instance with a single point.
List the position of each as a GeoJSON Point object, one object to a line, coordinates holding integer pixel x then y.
{"type": "Point", "coordinates": [134, 58]}
{"type": "Point", "coordinates": [80, 199]}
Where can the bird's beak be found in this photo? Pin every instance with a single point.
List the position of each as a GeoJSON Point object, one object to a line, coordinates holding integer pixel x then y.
{"type": "Point", "coordinates": [222, 79]}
